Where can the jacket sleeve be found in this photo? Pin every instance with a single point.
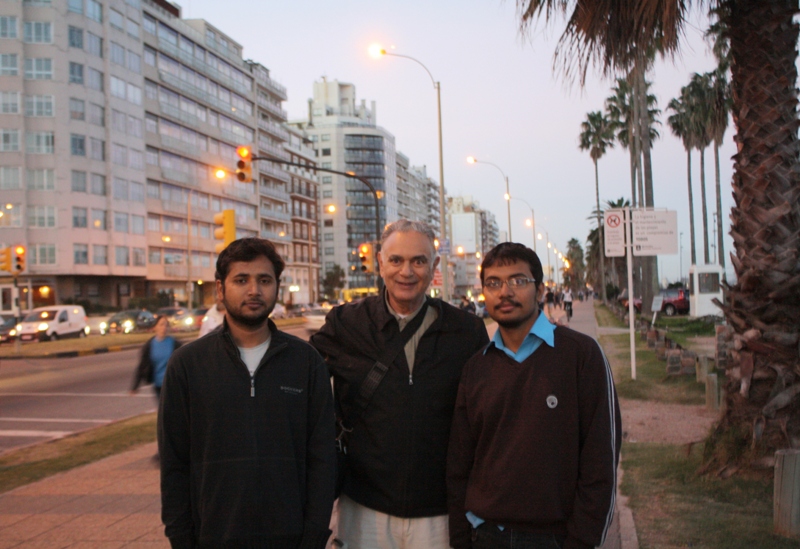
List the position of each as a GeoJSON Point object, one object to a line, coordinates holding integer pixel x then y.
{"type": "Point", "coordinates": [325, 341]}
{"type": "Point", "coordinates": [144, 359]}
{"type": "Point", "coordinates": [321, 458]}
{"type": "Point", "coordinates": [174, 451]}
{"type": "Point", "coordinates": [460, 456]}
{"type": "Point", "coordinates": [601, 440]}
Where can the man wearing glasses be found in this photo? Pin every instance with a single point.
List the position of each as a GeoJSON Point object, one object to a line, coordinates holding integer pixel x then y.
{"type": "Point", "coordinates": [536, 432]}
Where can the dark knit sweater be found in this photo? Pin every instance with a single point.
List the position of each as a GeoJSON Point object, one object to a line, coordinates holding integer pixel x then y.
{"type": "Point", "coordinates": [534, 445]}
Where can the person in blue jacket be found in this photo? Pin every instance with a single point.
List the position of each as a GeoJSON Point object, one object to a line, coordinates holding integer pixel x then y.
{"type": "Point", "coordinates": [154, 357]}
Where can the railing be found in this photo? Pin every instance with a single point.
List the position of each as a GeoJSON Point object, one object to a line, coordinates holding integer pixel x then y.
{"type": "Point", "coordinates": [175, 175]}
{"type": "Point", "coordinates": [276, 214]}
{"type": "Point", "coordinates": [271, 107]}
{"type": "Point", "coordinates": [273, 150]}
{"type": "Point", "coordinates": [272, 170]}
{"type": "Point", "coordinates": [177, 207]}
{"type": "Point", "coordinates": [232, 55]}
{"type": "Point", "coordinates": [269, 235]}
{"type": "Point", "coordinates": [202, 66]}
{"type": "Point", "coordinates": [274, 129]}
{"type": "Point", "coordinates": [228, 190]}
{"type": "Point", "coordinates": [176, 112]}
{"type": "Point", "coordinates": [203, 96]}
{"type": "Point", "coordinates": [273, 86]}
{"type": "Point", "coordinates": [279, 193]}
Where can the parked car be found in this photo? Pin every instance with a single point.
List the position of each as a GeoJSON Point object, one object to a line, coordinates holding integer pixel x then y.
{"type": "Point", "coordinates": [674, 301]}
{"type": "Point", "coordinates": [8, 329]}
{"type": "Point", "coordinates": [193, 320]}
{"type": "Point", "coordinates": [126, 322]}
{"type": "Point", "coordinates": [53, 322]}
{"type": "Point", "coordinates": [175, 315]}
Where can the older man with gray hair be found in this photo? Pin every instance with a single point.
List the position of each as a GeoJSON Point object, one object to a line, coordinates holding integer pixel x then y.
{"type": "Point", "coordinates": [396, 361]}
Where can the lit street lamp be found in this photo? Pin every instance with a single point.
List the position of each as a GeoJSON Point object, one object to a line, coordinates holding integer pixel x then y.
{"type": "Point", "coordinates": [529, 222]}
{"type": "Point", "coordinates": [473, 160]}
{"type": "Point", "coordinates": [377, 52]}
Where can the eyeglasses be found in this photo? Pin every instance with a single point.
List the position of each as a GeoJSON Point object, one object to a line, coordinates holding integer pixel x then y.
{"type": "Point", "coordinates": [514, 283]}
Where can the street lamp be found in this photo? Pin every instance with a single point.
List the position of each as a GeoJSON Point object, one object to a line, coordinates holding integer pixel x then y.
{"type": "Point", "coordinates": [473, 160]}
{"type": "Point", "coordinates": [531, 223]}
{"type": "Point", "coordinates": [377, 52]}
{"type": "Point", "coordinates": [549, 245]}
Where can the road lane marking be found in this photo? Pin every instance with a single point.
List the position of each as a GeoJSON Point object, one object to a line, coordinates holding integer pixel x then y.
{"type": "Point", "coordinates": [54, 420]}
{"type": "Point", "coordinates": [31, 434]}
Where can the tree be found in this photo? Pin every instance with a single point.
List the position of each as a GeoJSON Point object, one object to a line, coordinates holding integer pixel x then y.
{"type": "Point", "coordinates": [683, 126]}
{"type": "Point", "coordinates": [574, 275]}
{"type": "Point", "coordinates": [698, 95]}
{"type": "Point", "coordinates": [763, 306]}
{"type": "Point", "coordinates": [333, 282]}
{"type": "Point", "coordinates": [597, 135]}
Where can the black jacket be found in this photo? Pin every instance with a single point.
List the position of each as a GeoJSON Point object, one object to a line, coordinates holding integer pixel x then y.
{"type": "Point", "coordinates": [246, 462]}
{"type": "Point", "coordinates": [398, 448]}
{"type": "Point", "coordinates": [145, 372]}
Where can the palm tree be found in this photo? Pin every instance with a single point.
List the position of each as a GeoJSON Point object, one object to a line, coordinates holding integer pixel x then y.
{"type": "Point", "coordinates": [763, 306]}
{"type": "Point", "coordinates": [699, 96]}
{"type": "Point", "coordinates": [575, 273]}
{"type": "Point", "coordinates": [597, 135]}
{"type": "Point", "coordinates": [682, 125]}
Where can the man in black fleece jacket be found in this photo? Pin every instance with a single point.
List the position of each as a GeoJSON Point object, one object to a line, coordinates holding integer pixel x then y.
{"type": "Point", "coordinates": [536, 432]}
{"type": "Point", "coordinates": [246, 423]}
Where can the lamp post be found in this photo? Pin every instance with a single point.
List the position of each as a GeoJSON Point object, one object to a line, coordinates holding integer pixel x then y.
{"type": "Point", "coordinates": [549, 245]}
{"type": "Point", "coordinates": [377, 51]}
{"type": "Point", "coordinates": [473, 160]}
{"type": "Point", "coordinates": [533, 220]}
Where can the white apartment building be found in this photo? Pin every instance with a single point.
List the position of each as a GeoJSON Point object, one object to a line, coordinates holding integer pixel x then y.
{"type": "Point", "coordinates": [474, 232]}
{"type": "Point", "coordinates": [115, 117]}
{"type": "Point", "coordinates": [347, 138]}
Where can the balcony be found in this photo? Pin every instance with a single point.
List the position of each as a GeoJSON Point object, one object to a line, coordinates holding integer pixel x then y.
{"type": "Point", "coordinates": [175, 175]}
{"type": "Point", "coordinates": [273, 170]}
{"type": "Point", "coordinates": [272, 86]}
{"type": "Point", "coordinates": [231, 55]}
{"type": "Point", "coordinates": [273, 150]}
{"type": "Point", "coordinates": [270, 235]}
{"type": "Point", "coordinates": [278, 193]}
{"type": "Point", "coordinates": [198, 272]}
{"type": "Point", "coordinates": [273, 108]}
{"type": "Point", "coordinates": [276, 215]}
{"type": "Point", "coordinates": [204, 96]}
{"type": "Point", "coordinates": [273, 129]}
{"type": "Point", "coordinates": [234, 192]}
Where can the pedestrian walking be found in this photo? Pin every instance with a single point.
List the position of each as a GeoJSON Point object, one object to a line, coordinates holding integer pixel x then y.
{"type": "Point", "coordinates": [396, 359]}
{"type": "Point", "coordinates": [549, 300]}
{"type": "Point", "coordinates": [568, 303]}
{"type": "Point", "coordinates": [154, 356]}
{"type": "Point", "coordinates": [213, 319]}
{"type": "Point", "coordinates": [550, 480]}
{"type": "Point", "coordinates": [246, 424]}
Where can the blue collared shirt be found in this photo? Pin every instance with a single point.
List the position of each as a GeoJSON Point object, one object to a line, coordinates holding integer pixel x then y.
{"type": "Point", "coordinates": [541, 332]}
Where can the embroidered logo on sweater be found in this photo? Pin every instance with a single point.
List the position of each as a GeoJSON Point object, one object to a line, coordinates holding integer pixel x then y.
{"type": "Point", "coordinates": [552, 401]}
{"type": "Point", "coordinates": [291, 390]}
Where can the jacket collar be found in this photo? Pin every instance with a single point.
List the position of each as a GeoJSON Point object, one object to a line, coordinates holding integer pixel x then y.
{"type": "Point", "coordinates": [383, 317]}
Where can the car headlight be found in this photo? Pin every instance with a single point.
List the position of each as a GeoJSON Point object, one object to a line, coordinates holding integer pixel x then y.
{"type": "Point", "coordinates": [127, 323]}
{"type": "Point", "coordinates": [189, 321]}
{"type": "Point", "coordinates": [86, 330]}
{"type": "Point", "coordinates": [103, 326]}
{"type": "Point", "coordinates": [18, 327]}
{"type": "Point", "coordinates": [12, 332]}
{"type": "Point", "coordinates": [42, 327]}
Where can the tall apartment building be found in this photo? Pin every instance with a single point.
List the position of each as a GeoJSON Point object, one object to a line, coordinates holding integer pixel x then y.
{"type": "Point", "coordinates": [115, 117]}
{"type": "Point", "coordinates": [474, 232]}
{"type": "Point", "coordinates": [347, 139]}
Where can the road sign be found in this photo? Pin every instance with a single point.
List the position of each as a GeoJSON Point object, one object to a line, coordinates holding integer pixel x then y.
{"type": "Point", "coordinates": [437, 278]}
{"type": "Point", "coordinates": [655, 232]}
{"type": "Point", "coordinates": [614, 233]}
{"type": "Point", "coordinates": [444, 246]}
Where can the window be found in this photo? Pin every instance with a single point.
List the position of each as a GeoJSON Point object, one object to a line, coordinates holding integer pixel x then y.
{"type": "Point", "coordinates": [42, 254]}
{"type": "Point", "coordinates": [75, 37]}
{"type": "Point", "coordinates": [99, 219]}
{"type": "Point", "coordinates": [119, 121]}
{"type": "Point", "coordinates": [77, 109]}
{"type": "Point", "coordinates": [134, 62]}
{"type": "Point", "coordinates": [326, 165]}
{"type": "Point", "coordinates": [136, 159]}
{"type": "Point", "coordinates": [39, 68]}
{"type": "Point", "coordinates": [139, 257]}
{"type": "Point", "coordinates": [12, 217]}
{"type": "Point", "coordinates": [8, 27]}
{"type": "Point", "coordinates": [79, 218]}
{"type": "Point", "coordinates": [40, 142]}
{"type": "Point", "coordinates": [80, 254]}
{"type": "Point", "coordinates": [326, 137]}
{"type": "Point", "coordinates": [120, 190]}
{"type": "Point", "coordinates": [97, 149]}
{"type": "Point", "coordinates": [134, 126]}
{"type": "Point", "coordinates": [42, 216]}
{"type": "Point", "coordinates": [137, 224]}
{"type": "Point", "coordinates": [75, 6]}
{"type": "Point", "coordinates": [120, 222]}
{"type": "Point", "coordinates": [9, 178]}
{"type": "Point", "coordinates": [327, 194]}
{"type": "Point", "coordinates": [328, 223]}
{"type": "Point", "coordinates": [98, 184]}
{"type": "Point", "coordinates": [117, 87]}
{"type": "Point", "coordinates": [133, 28]}
{"type": "Point", "coordinates": [326, 152]}
{"type": "Point", "coordinates": [150, 57]}
{"type": "Point", "coordinates": [94, 10]}
{"type": "Point", "coordinates": [99, 255]}
{"type": "Point", "coordinates": [149, 24]}
{"type": "Point", "coordinates": [94, 44]}
{"type": "Point", "coordinates": [116, 19]}
{"type": "Point", "coordinates": [97, 115]}
{"type": "Point", "coordinates": [117, 54]}
{"type": "Point", "coordinates": [78, 181]}
{"type": "Point", "coordinates": [328, 251]}
{"type": "Point", "coordinates": [9, 102]}
{"type": "Point", "coordinates": [77, 144]}
{"type": "Point", "coordinates": [75, 73]}
{"type": "Point", "coordinates": [10, 140]}
{"type": "Point", "coordinates": [155, 256]}
{"type": "Point", "coordinates": [328, 237]}
{"type": "Point", "coordinates": [41, 180]}
{"type": "Point", "coordinates": [153, 189]}
{"type": "Point", "coordinates": [39, 105]}
{"type": "Point", "coordinates": [153, 223]}
{"type": "Point", "coordinates": [94, 79]}
{"type": "Point", "coordinates": [119, 156]}
{"type": "Point", "coordinates": [38, 33]}
{"type": "Point", "coordinates": [122, 255]}
{"type": "Point", "coordinates": [134, 94]}
{"type": "Point", "coordinates": [8, 64]}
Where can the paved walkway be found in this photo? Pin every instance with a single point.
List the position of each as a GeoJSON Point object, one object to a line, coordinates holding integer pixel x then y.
{"type": "Point", "coordinates": [115, 502]}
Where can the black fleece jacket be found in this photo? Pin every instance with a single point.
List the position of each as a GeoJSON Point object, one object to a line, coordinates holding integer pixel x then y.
{"type": "Point", "coordinates": [246, 461]}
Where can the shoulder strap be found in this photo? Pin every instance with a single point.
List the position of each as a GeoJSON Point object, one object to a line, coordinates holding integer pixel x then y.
{"type": "Point", "coordinates": [381, 366]}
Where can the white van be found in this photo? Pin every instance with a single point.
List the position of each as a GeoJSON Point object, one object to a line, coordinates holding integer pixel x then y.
{"type": "Point", "coordinates": [52, 323]}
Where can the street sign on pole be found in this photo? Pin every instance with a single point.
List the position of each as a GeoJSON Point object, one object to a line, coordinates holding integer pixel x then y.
{"type": "Point", "coordinates": [614, 233]}
{"type": "Point", "coordinates": [655, 232]}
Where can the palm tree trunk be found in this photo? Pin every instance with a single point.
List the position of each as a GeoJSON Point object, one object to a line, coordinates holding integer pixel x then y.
{"type": "Point", "coordinates": [691, 206]}
{"type": "Point", "coordinates": [720, 248]}
{"type": "Point", "coordinates": [650, 264]}
{"type": "Point", "coordinates": [703, 204]}
{"type": "Point", "coordinates": [602, 262]}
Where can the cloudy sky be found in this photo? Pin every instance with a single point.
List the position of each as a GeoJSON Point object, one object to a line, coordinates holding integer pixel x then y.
{"type": "Point", "coordinates": [501, 102]}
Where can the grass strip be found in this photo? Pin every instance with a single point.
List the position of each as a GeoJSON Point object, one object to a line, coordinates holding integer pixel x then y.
{"type": "Point", "coordinates": [675, 507]}
{"type": "Point", "coordinates": [652, 382]}
{"type": "Point", "coordinates": [605, 318]}
{"type": "Point", "coordinates": [32, 463]}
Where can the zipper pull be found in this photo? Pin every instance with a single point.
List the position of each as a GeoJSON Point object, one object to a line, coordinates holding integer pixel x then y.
{"type": "Point", "coordinates": [411, 379]}
{"type": "Point", "coordinates": [252, 386]}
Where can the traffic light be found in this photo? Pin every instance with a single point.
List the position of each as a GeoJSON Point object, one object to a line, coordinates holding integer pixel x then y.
{"type": "Point", "coordinates": [226, 219]}
{"type": "Point", "coordinates": [244, 167]}
{"type": "Point", "coordinates": [19, 261]}
{"type": "Point", "coordinates": [5, 259]}
{"type": "Point", "coordinates": [367, 257]}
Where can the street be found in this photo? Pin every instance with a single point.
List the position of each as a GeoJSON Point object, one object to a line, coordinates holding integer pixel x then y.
{"type": "Point", "coordinates": [43, 399]}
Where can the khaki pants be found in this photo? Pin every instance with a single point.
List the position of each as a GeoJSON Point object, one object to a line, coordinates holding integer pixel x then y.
{"type": "Point", "coordinates": [364, 528]}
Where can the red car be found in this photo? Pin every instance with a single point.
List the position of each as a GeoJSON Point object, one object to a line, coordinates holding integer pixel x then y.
{"type": "Point", "coordinates": [675, 301]}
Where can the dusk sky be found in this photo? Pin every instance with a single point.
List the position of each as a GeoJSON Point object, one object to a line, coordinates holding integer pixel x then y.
{"type": "Point", "coordinates": [501, 102]}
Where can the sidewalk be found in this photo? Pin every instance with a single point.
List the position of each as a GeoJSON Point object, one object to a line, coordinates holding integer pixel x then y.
{"type": "Point", "coordinates": [115, 502]}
